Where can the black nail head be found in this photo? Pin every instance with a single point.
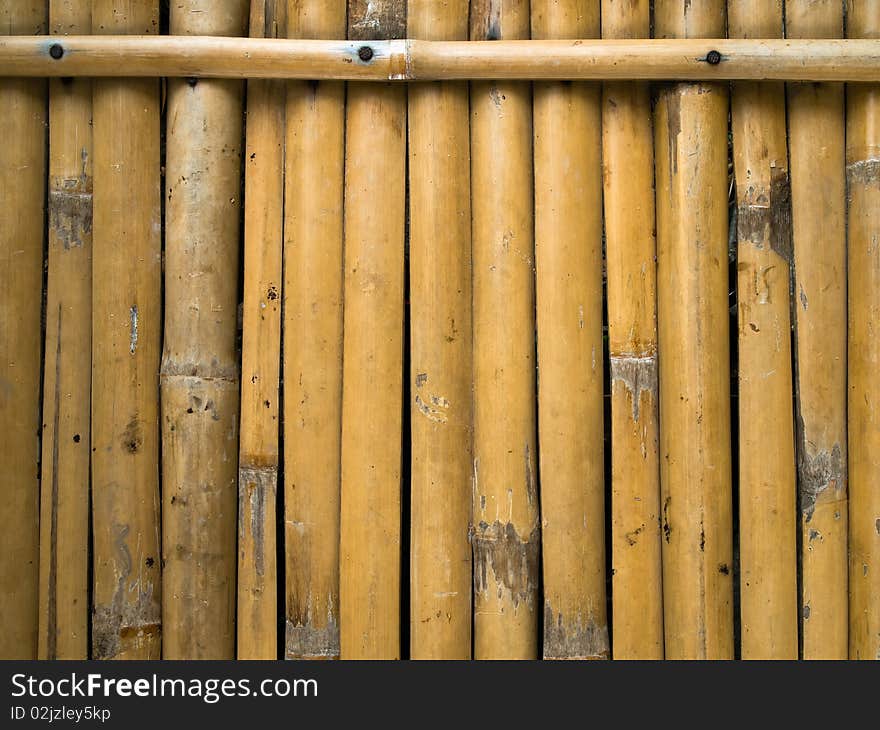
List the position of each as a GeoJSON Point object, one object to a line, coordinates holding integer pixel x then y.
{"type": "Point", "coordinates": [56, 50]}
{"type": "Point", "coordinates": [365, 53]}
{"type": "Point", "coordinates": [713, 58]}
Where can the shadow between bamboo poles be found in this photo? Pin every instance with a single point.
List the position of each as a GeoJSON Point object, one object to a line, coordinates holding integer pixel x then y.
{"type": "Point", "coordinates": [568, 262]}
{"type": "Point", "coordinates": [767, 473]}
{"type": "Point", "coordinates": [375, 200]}
{"type": "Point", "coordinates": [64, 513]}
{"type": "Point", "coordinates": [257, 618]}
{"type": "Point", "coordinates": [816, 145]}
{"type": "Point", "coordinates": [22, 190]}
{"type": "Point", "coordinates": [863, 168]}
{"type": "Point", "coordinates": [692, 280]}
{"type": "Point", "coordinates": [126, 616]}
{"type": "Point", "coordinates": [199, 376]}
{"type": "Point", "coordinates": [631, 248]}
{"type": "Point", "coordinates": [506, 527]}
{"type": "Point", "coordinates": [441, 349]}
{"type": "Point", "coordinates": [312, 365]}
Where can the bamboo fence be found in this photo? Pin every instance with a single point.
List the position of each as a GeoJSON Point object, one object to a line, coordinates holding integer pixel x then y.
{"type": "Point", "coordinates": [492, 329]}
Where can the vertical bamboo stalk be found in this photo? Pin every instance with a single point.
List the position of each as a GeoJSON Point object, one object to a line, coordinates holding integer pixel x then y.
{"type": "Point", "coordinates": [631, 248]}
{"type": "Point", "coordinates": [695, 471]}
{"type": "Point", "coordinates": [375, 199]}
{"type": "Point", "coordinates": [199, 378]}
{"type": "Point", "coordinates": [126, 310]}
{"type": "Point", "coordinates": [261, 351]}
{"type": "Point", "coordinates": [506, 530]}
{"type": "Point", "coordinates": [863, 172]}
{"type": "Point", "coordinates": [440, 335]}
{"type": "Point", "coordinates": [313, 343]}
{"type": "Point", "coordinates": [767, 478]}
{"type": "Point", "coordinates": [816, 146]}
{"type": "Point", "coordinates": [568, 260]}
{"type": "Point", "coordinates": [22, 190]}
{"type": "Point", "coordinates": [64, 511]}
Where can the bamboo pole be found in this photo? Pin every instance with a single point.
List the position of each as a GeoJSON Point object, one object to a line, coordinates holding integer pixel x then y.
{"type": "Point", "coordinates": [126, 328]}
{"type": "Point", "coordinates": [695, 471]}
{"type": "Point", "coordinates": [22, 190]}
{"type": "Point", "coordinates": [64, 497]}
{"type": "Point", "coordinates": [816, 145]}
{"type": "Point", "coordinates": [506, 528]}
{"type": "Point", "coordinates": [863, 174]}
{"type": "Point", "coordinates": [568, 261]}
{"type": "Point", "coordinates": [256, 622]}
{"type": "Point", "coordinates": [631, 248]}
{"type": "Point", "coordinates": [421, 60]}
{"type": "Point", "coordinates": [442, 358]}
{"type": "Point", "coordinates": [767, 476]}
{"type": "Point", "coordinates": [375, 195]}
{"type": "Point", "coordinates": [199, 376]}
{"type": "Point", "coordinates": [313, 344]}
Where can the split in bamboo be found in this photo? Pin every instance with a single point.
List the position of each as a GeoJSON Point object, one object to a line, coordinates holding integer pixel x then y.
{"type": "Point", "coordinates": [767, 474]}
{"type": "Point", "coordinates": [692, 281]}
{"type": "Point", "coordinates": [863, 168]}
{"type": "Point", "coordinates": [440, 336]}
{"type": "Point", "coordinates": [420, 60]}
{"type": "Point", "coordinates": [126, 329]}
{"type": "Point", "coordinates": [64, 514]}
{"type": "Point", "coordinates": [261, 351]}
{"type": "Point", "coordinates": [199, 376]}
{"type": "Point", "coordinates": [631, 247]}
{"type": "Point", "coordinates": [506, 525]}
{"type": "Point", "coordinates": [816, 144]}
{"type": "Point", "coordinates": [375, 200]}
{"type": "Point", "coordinates": [568, 264]}
{"type": "Point", "coordinates": [22, 192]}
{"type": "Point", "coordinates": [313, 344]}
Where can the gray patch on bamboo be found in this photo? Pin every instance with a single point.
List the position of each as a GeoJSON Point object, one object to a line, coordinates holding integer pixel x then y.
{"type": "Point", "coordinates": [638, 375]}
{"type": "Point", "coordinates": [817, 473]}
{"type": "Point", "coordinates": [566, 638]}
{"type": "Point", "coordinates": [486, 20]}
{"type": "Point", "coordinates": [376, 20]}
{"type": "Point", "coordinates": [531, 488]}
{"type": "Point", "coordinates": [133, 334]}
{"type": "Point", "coordinates": [768, 217]}
{"type": "Point", "coordinates": [256, 485]}
{"type": "Point", "coordinates": [512, 562]}
{"type": "Point", "coordinates": [70, 216]}
{"type": "Point", "coordinates": [304, 640]}
{"type": "Point", "coordinates": [863, 172]}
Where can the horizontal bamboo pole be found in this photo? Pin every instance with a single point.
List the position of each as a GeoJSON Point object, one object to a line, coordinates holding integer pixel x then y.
{"type": "Point", "coordinates": [851, 60]}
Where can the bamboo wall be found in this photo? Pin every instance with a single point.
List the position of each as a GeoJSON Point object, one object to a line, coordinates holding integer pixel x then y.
{"type": "Point", "coordinates": [446, 369]}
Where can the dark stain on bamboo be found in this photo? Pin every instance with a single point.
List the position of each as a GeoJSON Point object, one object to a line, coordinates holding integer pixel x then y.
{"type": "Point", "coordinates": [768, 219]}
{"type": "Point", "coordinates": [863, 172]}
{"type": "Point", "coordinates": [485, 20]}
{"type": "Point", "coordinates": [376, 20]}
{"type": "Point", "coordinates": [572, 638]}
{"type": "Point", "coordinates": [305, 640]}
{"type": "Point", "coordinates": [512, 560]}
{"type": "Point", "coordinates": [817, 473]}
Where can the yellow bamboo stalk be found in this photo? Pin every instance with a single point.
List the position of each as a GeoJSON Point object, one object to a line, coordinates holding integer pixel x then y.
{"type": "Point", "coordinates": [313, 344]}
{"type": "Point", "coordinates": [420, 60]}
{"type": "Point", "coordinates": [22, 190]}
{"type": "Point", "coordinates": [863, 173]}
{"type": "Point", "coordinates": [631, 247]}
{"type": "Point", "coordinates": [506, 528]}
{"type": "Point", "coordinates": [126, 328]}
{"type": "Point", "coordinates": [695, 471]}
{"type": "Point", "coordinates": [199, 376]}
{"type": "Point", "coordinates": [64, 497]}
{"type": "Point", "coordinates": [375, 191]}
{"type": "Point", "coordinates": [568, 260]}
{"type": "Point", "coordinates": [440, 336]}
{"type": "Point", "coordinates": [261, 351]}
{"type": "Point", "coordinates": [767, 474]}
{"type": "Point", "coordinates": [816, 145]}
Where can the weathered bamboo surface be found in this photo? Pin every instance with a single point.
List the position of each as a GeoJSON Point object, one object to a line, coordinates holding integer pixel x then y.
{"type": "Point", "coordinates": [767, 474]}
{"type": "Point", "coordinates": [126, 332]}
{"type": "Point", "coordinates": [630, 255]}
{"type": "Point", "coordinates": [22, 190]}
{"type": "Point", "coordinates": [64, 494]}
{"type": "Point", "coordinates": [816, 129]}
{"type": "Point", "coordinates": [422, 60]}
